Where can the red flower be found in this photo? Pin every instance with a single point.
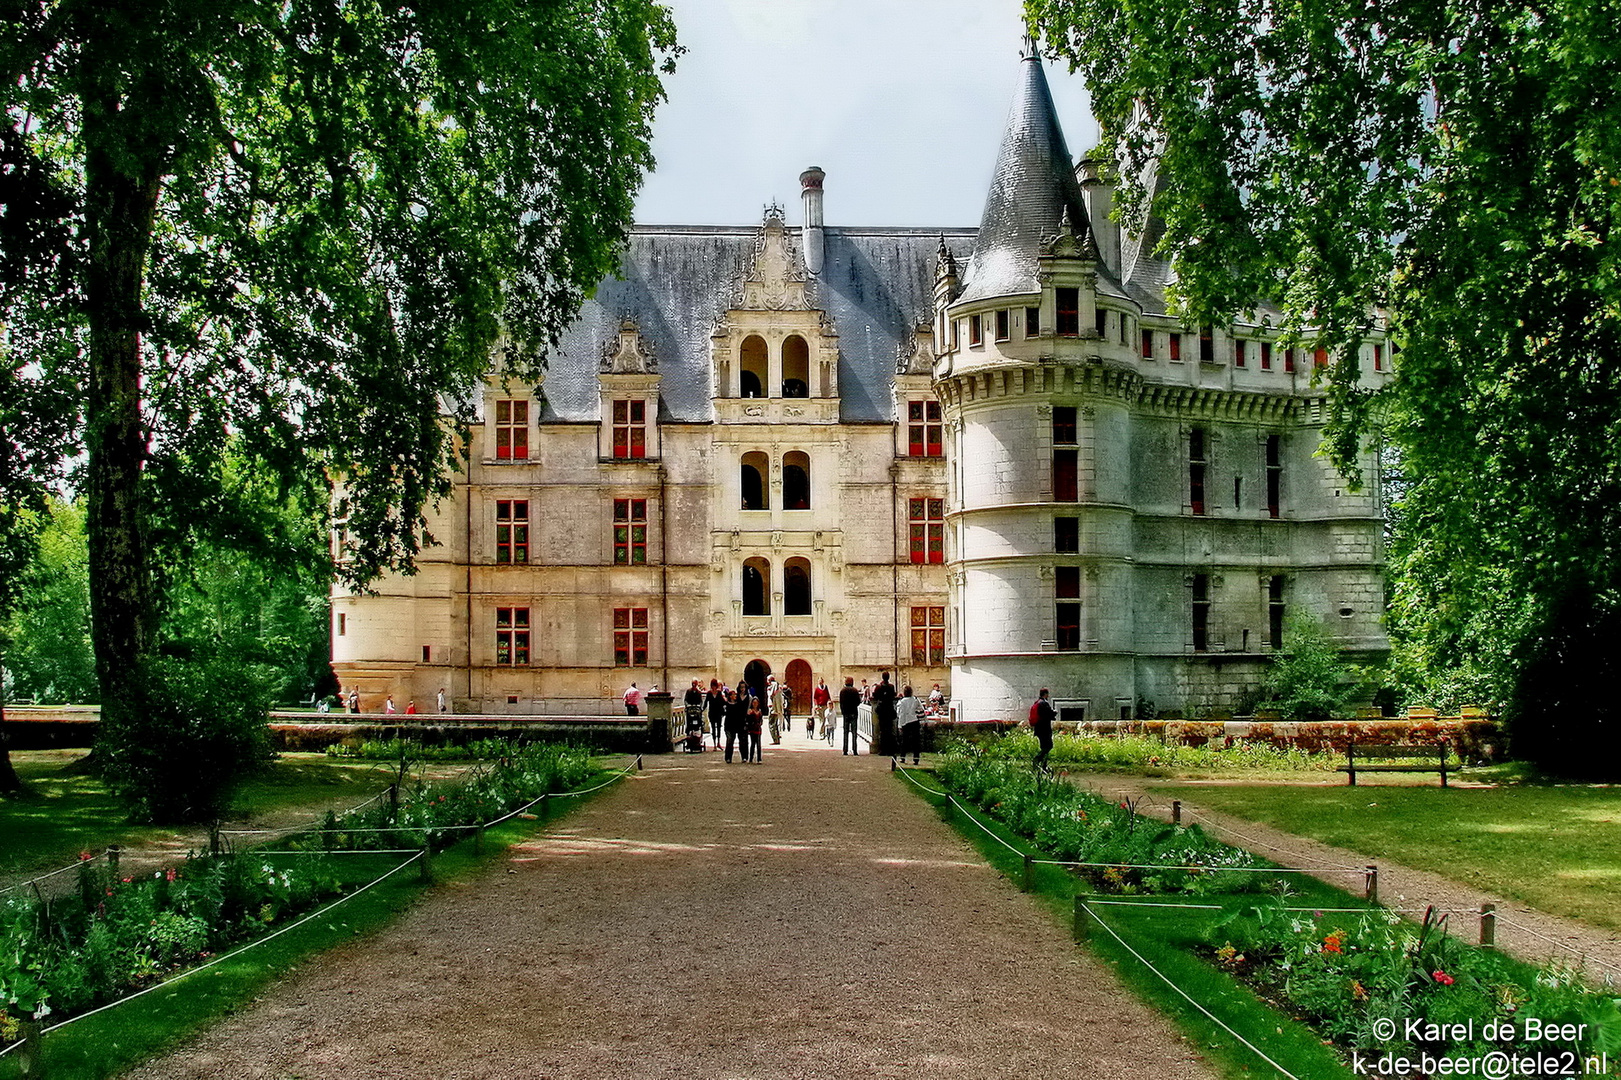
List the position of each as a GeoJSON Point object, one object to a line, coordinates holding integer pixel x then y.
{"type": "Point", "coordinates": [85, 856]}
{"type": "Point", "coordinates": [170, 875]}
{"type": "Point", "coordinates": [1332, 944]}
{"type": "Point", "coordinates": [1443, 978]}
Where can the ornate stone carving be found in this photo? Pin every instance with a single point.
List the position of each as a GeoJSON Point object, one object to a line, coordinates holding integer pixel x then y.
{"type": "Point", "coordinates": [629, 354]}
{"type": "Point", "coordinates": [774, 283]}
{"type": "Point", "coordinates": [793, 410]}
{"type": "Point", "coordinates": [754, 410]}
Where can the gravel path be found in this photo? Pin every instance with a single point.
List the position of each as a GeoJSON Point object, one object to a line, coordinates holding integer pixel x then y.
{"type": "Point", "coordinates": [1522, 931]}
{"type": "Point", "coordinates": [808, 917]}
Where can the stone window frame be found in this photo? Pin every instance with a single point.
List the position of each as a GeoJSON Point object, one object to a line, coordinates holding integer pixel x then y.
{"type": "Point", "coordinates": [512, 532]}
{"type": "Point", "coordinates": [630, 532]}
{"type": "Point", "coordinates": [928, 635]}
{"type": "Point", "coordinates": [512, 636]}
{"type": "Point", "coordinates": [925, 530]}
{"type": "Point", "coordinates": [512, 429]}
{"type": "Point", "coordinates": [923, 419]}
{"type": "Point", "coordinates": [631, 633]}
{"type": "Point", "coordinates": [629, 429]}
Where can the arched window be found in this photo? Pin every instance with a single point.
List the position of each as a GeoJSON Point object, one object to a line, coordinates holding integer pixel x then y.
{"type": "Point", "coordinates": [796, 587]}
{"type": "Point", "coordinates": [795, 367]}
{"type": "Point", "coordinates": [755, 466]}
{"type": "Point", "coordinates": [753, 367]}
{"type": "Point", "coordinates": [756, 587]}
{"type": "Point", "coordinates": [796, 480]}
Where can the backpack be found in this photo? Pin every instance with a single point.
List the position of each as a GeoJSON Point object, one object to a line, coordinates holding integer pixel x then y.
{"type": "Point", "coordinates": [1035, 711]}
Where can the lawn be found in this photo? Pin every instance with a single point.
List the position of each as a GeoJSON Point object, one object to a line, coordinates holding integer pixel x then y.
{"type": "Point", "coordinates": [1554, 847]}
{"type": "Point", "coordinates": [65, 812]}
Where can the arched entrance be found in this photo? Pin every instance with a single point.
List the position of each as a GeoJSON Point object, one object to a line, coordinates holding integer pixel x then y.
{"type": "Point", "coordinates": [798, 678]}
{"type": "Point", "coordinates": [755, 673]}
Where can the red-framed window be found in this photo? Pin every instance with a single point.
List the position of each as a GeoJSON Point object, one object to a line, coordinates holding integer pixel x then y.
{"type": "Point", "coordinates": [1378, 357]}
{"type": "Point", "coordinates": [1069, 312]}
{"type": "Point", "coordinates": [1241, 353]}
{"type": "Point", "coordinates": [1148, 344]}
{"type": "Point", "coordinates": [1067, 590]}
{"type": "Point", "coordinates": [974, 330]}
{"type": "Point", "coordinates": [923, 428]}
{"type": "Point", "coordinates": [1176, 346]}
{"type": "Point", "coordinates": [630, 429]}
{"type": "Point", "coordinates": [1288, 359]}
{"type": "Point", "coordinates": [926, 522]}
{"type": "Point", "coordinates": [1066, 458]}
{"type": "Point", "coordinates": [1207, 345]}
{"type": "Point", "coordinates": [1266, 356]}
{"type": "Point", "coordinates": [512, 530]}
{"type": "Point", "coordinates": [512, 636]}
{"type": "Point", "coordinates": [511, 430]}
{"type": "Point", "coordinates": [1004, 322]}
{"type": "Point", "coordinates": [1319, 357]}
{"type": "Point", "coordinates": [630, 637]}
{"type": "Point", "coordinates": [630, 532]}
{"type": "Point", "coordinates": [929, 636]}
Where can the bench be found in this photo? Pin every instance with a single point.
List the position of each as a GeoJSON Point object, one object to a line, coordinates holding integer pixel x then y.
{"type": "Point", "coordinates": [1413, 756]}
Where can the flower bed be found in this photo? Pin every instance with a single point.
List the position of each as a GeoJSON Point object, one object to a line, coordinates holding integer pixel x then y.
{"type": "Point", "coordinates": [1074, 825]}
{"type": "Point", "coordinates": [1383, 988]}
{"type": "Point", "coordinates": [63, 955]}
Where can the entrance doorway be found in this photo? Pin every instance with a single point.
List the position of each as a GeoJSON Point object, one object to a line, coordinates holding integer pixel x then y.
{"type": "Point", "coordinates": [798, 678]}
{"type": "Point", "coordinates": [755, 674]}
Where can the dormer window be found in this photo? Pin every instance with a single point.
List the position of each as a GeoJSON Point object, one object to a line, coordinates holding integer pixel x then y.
{"type": "Point", "coordinates": [1069, 312]}
{"type": "Point", "coordinates": [511, 430]}
{"type": "Point", "coordinates": [630, 429]}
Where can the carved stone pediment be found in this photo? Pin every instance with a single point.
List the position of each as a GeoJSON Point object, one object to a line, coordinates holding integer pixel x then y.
{"type": "Point", "coordinates": [630, 354]}
{"type": "Point", "coordinates": [775, 281]}
{"type": "Point", "coordinates": [916, 357]}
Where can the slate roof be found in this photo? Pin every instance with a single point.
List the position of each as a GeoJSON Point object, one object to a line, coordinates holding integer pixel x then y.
{"type": "Point", "coordinates": [1031, 190]}
{"type": "Point", "coordinates": [676, 281]}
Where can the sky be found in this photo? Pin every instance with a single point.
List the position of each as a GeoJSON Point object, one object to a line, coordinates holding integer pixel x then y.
{"type": "Point", "coordinates": [901, 102]}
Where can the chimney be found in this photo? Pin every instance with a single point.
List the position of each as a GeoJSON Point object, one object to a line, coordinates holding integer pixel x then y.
{"type": "Point", "coordinates": [1099, 196]}
{"type": "Point", "coordinates": [810, 183]}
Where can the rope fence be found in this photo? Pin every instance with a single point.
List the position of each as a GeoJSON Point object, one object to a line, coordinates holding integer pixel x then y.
{"type": "Point", "coordinates": [50, 874]}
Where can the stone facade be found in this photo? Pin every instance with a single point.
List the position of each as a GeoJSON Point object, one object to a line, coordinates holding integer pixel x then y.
{"type": "Point", "coordinates": [827, 450]}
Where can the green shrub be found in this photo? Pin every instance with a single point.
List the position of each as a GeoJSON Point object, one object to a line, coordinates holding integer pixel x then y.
{"type": "Point", "coordinates": [1135, 752]}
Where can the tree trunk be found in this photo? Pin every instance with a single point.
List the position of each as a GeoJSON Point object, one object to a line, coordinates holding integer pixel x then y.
{"type": "Point", "coordinates": [121, 193]}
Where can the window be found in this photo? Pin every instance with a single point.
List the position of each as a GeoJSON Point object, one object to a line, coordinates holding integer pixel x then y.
{"type": "Point", "coordinates": [795, 367]}
{"type": "Point", "coordinates": [1003, 319]}
{"type": "Point", "coordinates": [1100, 321]}
{"type": "Point", "coordinates": [974, 337]}
{"type": "Point", "coordinates": [753, 367]}
{"type": "Point", "coordinates": [1069, 312]}
{"type": "Point", "coordinates": [1274, 611]}
{"type": "Point", "coordinates": [1378, 358]}
{"type": "Point", "coordinates": [926, 522]}
{"type": "Point", "coordinates": [929, 636]}
{"type": "Point", "coordinates": [343, 624]}
{"type": "Point", "coordinates": [427, 652]}
{"type": "Point", "coordinates": [1176, 347]}
{"type": "Point", "coordinates": [1266, 356]}
{"type": "Point", "coordinates": [630, 532]}
{"type": "Point", "coordinates": [512, 531]}
{"type": "Point", "coordinates": [512, 635]}
{"type": "Point", "coordinates": [630, 429]}
{"type": "Point", "coordinates": [1288, 359]}
{"type": "Point", "coordinates": [1196, 469]}
{"type": "Point", "coordinates": [923, 428]}
{"type": "Point", "coordinates": [630, 637]}
{"type": "Point", "coordinates": [1201, 612]}
{"type": "Point", "coordinates": [511, 430]}
{"type": "Point", "coordinates": [796, 489]}
{"type": "Point", "coordinates": [1067, 588]}
{"type": "Point", "coordinates": [1066, 534]}
{"type": "Point", "coordinates": [1032, 322]}
{"type": "Point", "coordinates": [1066, 468]}
{"type": "Point", "coordinates": [1148, 344]}
{"type": "Point", "coordinates": [756, 587]}
{"type": "Point", "coordinates": [1125, 329]}
{"type": "Point", "coordinates": [754, 469]}
{"type": "Point", "coordinates": [796, 587]}
{"type": "Point", "coordinates": [1319, 357]}
{"type": "Point", "coordinates": [1274, 474]}
{"type": "Point", "coordinates": [1207, 345]}
{"type": "Point", "coordinates": [1240, 353]}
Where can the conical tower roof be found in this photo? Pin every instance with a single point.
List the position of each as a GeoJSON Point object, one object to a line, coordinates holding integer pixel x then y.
{"type": "Point", "coordinates": [1033, 185]}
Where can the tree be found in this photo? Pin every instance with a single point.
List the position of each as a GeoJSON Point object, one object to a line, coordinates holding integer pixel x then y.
{"type": "Point", "coordinates": [1457, 167]}
{"type": "Point", "coordinates": [1310, 679]}
{"type": "Point", "coordinates": [307, 224]}
{"type": "Point", "coordinates": [49, 654]}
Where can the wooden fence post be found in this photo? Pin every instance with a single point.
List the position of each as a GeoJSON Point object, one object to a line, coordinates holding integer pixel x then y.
{"type": "Point", "coordinates": [427, 852]}
{"type": "Point", "coordinates": [1488, 924]}
{"type": "Point", "coordinates": [1176, 811]}
{"type": "Point", "coordinates": [1029, 874]}
{"type": "Point", "coordinates": [30, 1054]}
{"type": "Point", "coordinates": [1372, 874]}
{"type": "Point", "coordinates": [114, 852]}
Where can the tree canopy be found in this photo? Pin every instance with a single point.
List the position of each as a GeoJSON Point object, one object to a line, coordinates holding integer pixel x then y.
{"type": "Point", "coordinates": [303, 229]}
{"type": "Point", "coordinates": [1456, 166]}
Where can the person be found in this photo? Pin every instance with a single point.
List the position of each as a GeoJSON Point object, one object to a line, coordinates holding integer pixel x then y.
{"type": "Point", "coordinates": [883, 715]}
{"type": "Point", "coordinates": [441, 699]}
{"type": "Point", "coordinates": [1041, 722]}
{"type": "Point", "coordinates": [786, 695]}
{"type": "Point", "coordinates": [695, 723]}
{"type": "Point", "coordinates": [388, 706]}
{"type": "Point", "coordinates": [693, 699]}
{"type": "Point", "coordinates": [937, 701]}
{"type": "Point", "coordinates": [866, 692]}
{"type": "Point", "coordinates": [716, 703]}
{"type": "Point", "coordinates": [756, 721]}
{"type": "Point", "coordinates": [909, 722]}
{"type": "Point", "coordinates": [772, 705]}
{"type": "Point", "coordinates": [324, 706]}
{"type": "Point", "coordinates": [354, 700]}
{"type": "Point", "coordinates": [821, 698]}
{"type": "Point", "coordinates": [633, 701]}
{"type": "Point", "coordinates": [737, 723]}
{"type": "Point", "coordinates": [411, 707]}
{"type": "Point", "coordinates": [850, 707]}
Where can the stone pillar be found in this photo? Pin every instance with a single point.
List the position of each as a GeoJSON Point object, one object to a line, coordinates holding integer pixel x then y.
{"type": "Point", "coordinates": [658, 722]}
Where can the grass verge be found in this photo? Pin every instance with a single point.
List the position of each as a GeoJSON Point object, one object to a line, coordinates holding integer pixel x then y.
{"type": "Point", "coordinates": [1554, 847]}
{"type": "Point", "coordinates": [1165, 939]}
{"type": "Point", "coordinates": [108, 1043]}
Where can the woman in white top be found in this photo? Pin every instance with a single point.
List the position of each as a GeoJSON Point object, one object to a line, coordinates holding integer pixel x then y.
{"type": "Point", "coordinates": [910, 724]}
